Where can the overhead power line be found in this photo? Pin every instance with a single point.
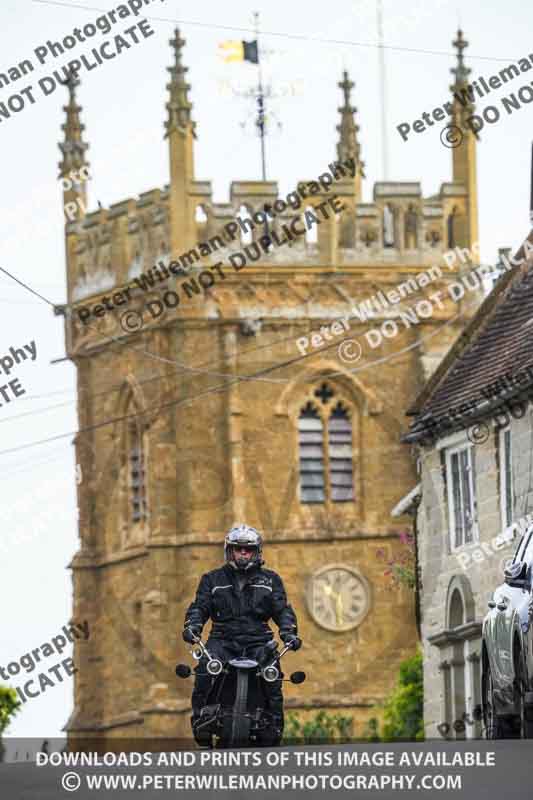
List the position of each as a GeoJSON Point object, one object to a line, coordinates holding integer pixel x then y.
{"type": "Point", "coordinates": [140, 350]}
{"type": "Point", "coordinates": [239, 379]}
{"type": "Point", "coordinates": [281, 34]}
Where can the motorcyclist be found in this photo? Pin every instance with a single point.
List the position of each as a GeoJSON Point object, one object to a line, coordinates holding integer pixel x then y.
{"type": "Point", "coordinates": [240, 597]}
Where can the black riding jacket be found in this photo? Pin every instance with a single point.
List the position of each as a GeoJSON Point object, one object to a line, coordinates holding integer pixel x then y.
{"type": "Point", "coordinates": [241, 614]}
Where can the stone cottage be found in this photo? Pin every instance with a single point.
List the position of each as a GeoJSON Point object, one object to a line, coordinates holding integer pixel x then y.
{"type": "Point", "coordinates": [473, 430]}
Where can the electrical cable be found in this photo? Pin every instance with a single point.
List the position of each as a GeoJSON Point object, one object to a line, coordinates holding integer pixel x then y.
{"type": "Point", "coordinates": [37, 411]}
{"type": "Point", "coordinates": [47, 394]}
{"type": "Point", "coordinates": [139, 349]}
{"type": "Point", "coordinates": [19, 468]}
{"type": "Point", "coordinates": [235, 378]}
{"type": "Point", "coordinates": [119, 386]}
{"type": "Point", "coordinates": [11, 302]}
{"type": "Point", "coordinates": [280, 34]}
{"type": "Point", "coordinates": [25, 285]}
{"type": "Point", "coordinates": [221, 387]}
{"type": "Point", "coordinates": [181, 368]}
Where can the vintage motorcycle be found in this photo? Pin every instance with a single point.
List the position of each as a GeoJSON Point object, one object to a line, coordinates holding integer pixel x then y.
{"type": "Point", "coordinates": [236, 714]}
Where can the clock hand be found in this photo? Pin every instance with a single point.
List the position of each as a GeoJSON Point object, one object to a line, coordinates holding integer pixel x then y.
{"type": "Point", "coordinates": [337, 599]}
{"type": "Point", "coordinates": [339, 608]}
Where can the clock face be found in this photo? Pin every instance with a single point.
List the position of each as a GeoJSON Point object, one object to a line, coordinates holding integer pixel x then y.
{"type": "Point", "coordinates": [338, 597]}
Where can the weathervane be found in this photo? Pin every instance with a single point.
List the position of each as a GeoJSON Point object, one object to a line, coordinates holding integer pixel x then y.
{"type": "Point", "coordinates": [263, 122]}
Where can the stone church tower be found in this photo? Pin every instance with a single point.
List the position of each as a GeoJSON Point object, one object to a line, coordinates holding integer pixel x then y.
{"type": "Point", "coordinates": [210, 415]}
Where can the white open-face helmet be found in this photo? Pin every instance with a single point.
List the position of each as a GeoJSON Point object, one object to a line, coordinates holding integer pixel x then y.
{"type": "Point", "coordinates": [245, 536]}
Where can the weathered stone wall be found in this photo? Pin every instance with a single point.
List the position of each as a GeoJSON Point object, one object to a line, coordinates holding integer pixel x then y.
{"type": "Point", "coordinates": [483, 571]}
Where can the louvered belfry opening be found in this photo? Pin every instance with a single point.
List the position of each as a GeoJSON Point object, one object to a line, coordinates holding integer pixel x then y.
{"type": "Point", "coordinates": [311, 436]}
{"type": "Point", "coordinates": [325, 450]}
{"type": "Point", "coordinates": [136, 473]}
{"type": "Point", "coordinates": [340, 455]}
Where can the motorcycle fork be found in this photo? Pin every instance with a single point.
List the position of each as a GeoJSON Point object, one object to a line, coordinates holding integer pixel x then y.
{"type": "Point", "coordinates": [221, 685]}
{"type": "Point", "coordinates": [241, 702]}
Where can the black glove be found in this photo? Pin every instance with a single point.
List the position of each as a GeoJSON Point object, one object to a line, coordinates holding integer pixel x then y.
{"type": "Point", "coordinates": [287, 637]}
{"type": "Point", "coordinates": [191, 633]}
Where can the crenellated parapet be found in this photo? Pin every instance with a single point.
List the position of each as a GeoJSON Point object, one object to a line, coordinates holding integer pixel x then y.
{"type": "Point", "coordinates": [399, 232]}
{"type": "Point", "coordinates": [110, 247]}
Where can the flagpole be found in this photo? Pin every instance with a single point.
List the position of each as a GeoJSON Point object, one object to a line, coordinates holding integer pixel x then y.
{"type": "Point", "coordinates": [260, 102]}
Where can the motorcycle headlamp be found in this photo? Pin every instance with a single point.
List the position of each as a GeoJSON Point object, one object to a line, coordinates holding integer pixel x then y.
{"type": "Point", "coordinates": [270, 674]}
{"type": "Point", "coordinates": [214, 667]}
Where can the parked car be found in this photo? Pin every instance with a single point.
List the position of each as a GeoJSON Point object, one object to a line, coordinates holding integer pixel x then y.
{"type": "Point", "coordinates": [507, 652]}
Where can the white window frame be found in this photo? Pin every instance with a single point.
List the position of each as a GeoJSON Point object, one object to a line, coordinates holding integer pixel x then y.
{"type": "Point", "coordinates": [503, 476]}
{"type": "Point", "coordinates": [451, 451]}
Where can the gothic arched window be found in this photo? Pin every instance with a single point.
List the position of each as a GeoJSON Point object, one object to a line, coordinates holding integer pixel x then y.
{"type": "Point", "coordinates": [136, 473]}
{"type": "Point", "coordinates": [325, 445]}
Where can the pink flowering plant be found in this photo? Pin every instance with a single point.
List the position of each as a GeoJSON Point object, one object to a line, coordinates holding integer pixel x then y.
{"type": "Point", "coordinates": [401, 568]}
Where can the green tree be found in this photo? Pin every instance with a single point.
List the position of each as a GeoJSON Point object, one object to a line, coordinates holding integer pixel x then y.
{"type": "Point", "coordinates": [404, 709]}
{"type": "Point", "coordinates": [371, 730]}
{"type": "Point", "coordinates": [9, 705]}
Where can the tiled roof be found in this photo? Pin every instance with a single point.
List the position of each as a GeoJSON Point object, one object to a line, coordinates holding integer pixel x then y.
{"type": "Point", "coordinates": [497, 342]}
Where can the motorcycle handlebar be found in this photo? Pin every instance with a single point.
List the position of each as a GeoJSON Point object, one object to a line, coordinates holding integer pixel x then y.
{"type": "Point", "coordinates": [201, 645]}
{"type": "Point", "coordinates": [287, 647]}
